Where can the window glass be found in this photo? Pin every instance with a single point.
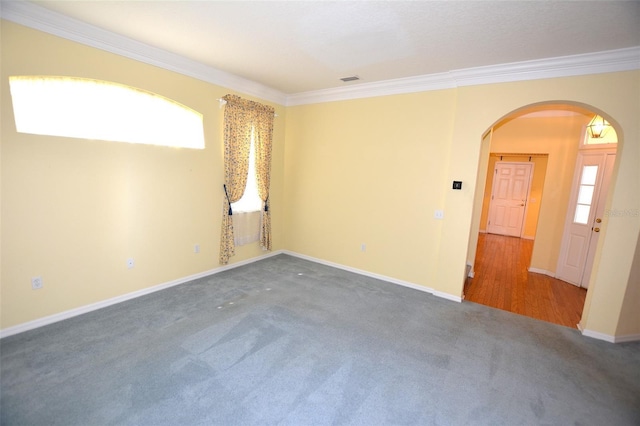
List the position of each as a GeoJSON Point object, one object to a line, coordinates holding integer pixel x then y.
{"type": "Point", "coordinates": [102, 110]}
{"type": "Point", "coordinates": [585, 194]}
{"type": "Point", "coordinates": [582, 214]}
{"type": "Point", "coordinates": [250, 201]}
{"type": "Point", "coordinates": [589, 174]}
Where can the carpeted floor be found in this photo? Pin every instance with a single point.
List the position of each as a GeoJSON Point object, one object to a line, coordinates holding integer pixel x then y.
{"type": "Point", "coordinates": [290, 342]}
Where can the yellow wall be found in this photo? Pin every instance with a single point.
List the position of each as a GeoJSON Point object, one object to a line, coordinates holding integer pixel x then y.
{"type": "Point", "coordinates": [629, 323]}
{"type": "Point", "coordinates": [74, 210]}
{"type": "Point", "coordinates": [369, 171]}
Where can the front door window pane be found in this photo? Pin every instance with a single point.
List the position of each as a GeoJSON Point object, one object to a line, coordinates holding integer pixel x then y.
{"type": "Point", "coordinates": [589, 174]}
{"type": "Point", "coordinates": [585, 195]}
{"type": "Point", "coordinates": [582, 214]}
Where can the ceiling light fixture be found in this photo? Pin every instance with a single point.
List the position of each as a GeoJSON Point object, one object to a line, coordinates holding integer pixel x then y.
{"type": "Point", "coordinates": [598, 127]}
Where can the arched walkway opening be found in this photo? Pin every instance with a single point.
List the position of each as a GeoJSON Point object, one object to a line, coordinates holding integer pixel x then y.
{"type": "Point", "coordinates": [527, 198]}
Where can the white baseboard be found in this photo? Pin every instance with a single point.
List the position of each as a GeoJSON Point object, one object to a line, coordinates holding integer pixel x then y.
{"type": "Point", "coordinates": [40, 322]}
{"type": "Point", "coordinates": [524, 237]}
{"type": "Point", "coordinates": [447, 296]}
{"type": "Point", "coordinates": [103, 304]}
{"type": "Point", "coordinates": [551, 274]}
{"type": "Point", "coordinates": [599, 336]}
{"type": "Point", "coordinates": [377, 276]}
{"type": "Point", "coordinates": [627, 338]}
{"type": "Point", "coordinates": [607, 337]}
{"type": "Point", "coordinates": [611, 339]}
{"type": "Point", "coordinates": [542, 271]}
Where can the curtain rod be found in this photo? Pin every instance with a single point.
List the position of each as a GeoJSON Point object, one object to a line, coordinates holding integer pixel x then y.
{"type": "Point", "coordinates": [223, 102]}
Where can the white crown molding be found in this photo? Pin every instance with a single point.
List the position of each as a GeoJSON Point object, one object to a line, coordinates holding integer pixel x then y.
{"type": "Point", "coordinates": [423, 83]}
{"type": "Point", "coordinates": [565, 66]}
{"type": "Point", "coordinates": [42, 19]}
{"type": "Point", "coordinates": [590, 63]}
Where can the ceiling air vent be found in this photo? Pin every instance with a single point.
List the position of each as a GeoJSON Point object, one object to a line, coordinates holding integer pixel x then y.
{"type": "Point", "coordinates": [352, 78]}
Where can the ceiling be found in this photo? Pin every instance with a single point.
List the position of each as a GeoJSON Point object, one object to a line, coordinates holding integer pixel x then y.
{"type": "Point", "coordinates": [304, 46]}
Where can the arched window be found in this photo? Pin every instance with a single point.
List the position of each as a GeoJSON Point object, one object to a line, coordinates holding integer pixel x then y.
{"type": "Point", "coordinates": [94, 109]}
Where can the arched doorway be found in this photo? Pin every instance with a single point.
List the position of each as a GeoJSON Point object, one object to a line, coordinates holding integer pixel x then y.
{"type": "Point", "coordinates": [547, 136]}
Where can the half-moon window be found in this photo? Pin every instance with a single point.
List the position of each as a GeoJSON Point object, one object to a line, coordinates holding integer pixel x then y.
{"type": "Point", "coordinates": [94, 109]}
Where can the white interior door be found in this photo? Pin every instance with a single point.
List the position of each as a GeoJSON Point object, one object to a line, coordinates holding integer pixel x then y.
{"type": "Point", "coordinates": [509, 195]}
{"type": "Point", "coordinates": [584, 216]}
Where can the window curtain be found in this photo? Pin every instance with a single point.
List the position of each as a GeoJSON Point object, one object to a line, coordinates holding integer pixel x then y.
{"type": "Point", "coordinates": [263, 138]}
{"type": "Point", "coordinates": [241, 116]}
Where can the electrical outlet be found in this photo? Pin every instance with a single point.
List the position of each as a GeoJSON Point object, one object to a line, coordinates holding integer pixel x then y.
{"type": "Point", "coordinates": [36, 283]}
{"type": "Point", "coordinates": [130, 263]}
{"type": "Point", "coordinates": [196, 248]}
{"type": "Point", "coordinates": [363, 247]}
{"type": "Point", "coordinates": [439, 214]}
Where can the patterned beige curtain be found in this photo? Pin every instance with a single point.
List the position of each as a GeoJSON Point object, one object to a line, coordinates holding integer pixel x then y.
{"type": "Point", "coordinates": [263, 136]}
{"type": "Point", "coordinates": [241, 116]}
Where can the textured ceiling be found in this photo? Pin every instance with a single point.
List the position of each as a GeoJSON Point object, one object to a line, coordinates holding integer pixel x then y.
{"type": "Point", "coordinates": [305, 46]}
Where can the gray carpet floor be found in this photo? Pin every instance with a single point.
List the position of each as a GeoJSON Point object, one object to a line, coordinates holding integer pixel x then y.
{"type": "Point", "coordinates": [285, 341]}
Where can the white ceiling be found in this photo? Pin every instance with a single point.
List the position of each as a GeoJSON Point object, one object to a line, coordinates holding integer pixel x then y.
{"type": "Point", "coordinates": [302, 46]}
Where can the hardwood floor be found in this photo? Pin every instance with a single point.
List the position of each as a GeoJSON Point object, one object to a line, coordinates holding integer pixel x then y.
{"type": "Point", "coordinates": [502, 281]}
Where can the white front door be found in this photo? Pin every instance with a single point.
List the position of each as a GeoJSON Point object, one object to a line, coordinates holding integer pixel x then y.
{"type": "Point", "coordinates": [509, 194]}
{"type": "Point", "coordinates": [584, 216]}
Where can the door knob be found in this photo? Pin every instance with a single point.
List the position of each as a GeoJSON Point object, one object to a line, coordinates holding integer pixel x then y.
{"type": "Point", "coordinates": [596, 229]}
{"type": "Point", "coordinates": [598, 220]}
